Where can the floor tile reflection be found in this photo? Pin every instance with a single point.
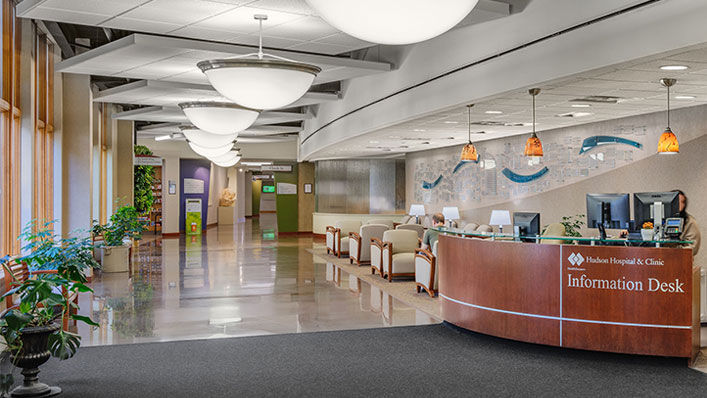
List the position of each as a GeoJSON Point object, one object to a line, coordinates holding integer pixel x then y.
{"type": "Point", "coordinates": [234, 281]}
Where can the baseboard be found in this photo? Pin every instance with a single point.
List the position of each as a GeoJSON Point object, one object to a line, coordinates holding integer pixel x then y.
{"type": "Point", "coordinates": [298, 233]}
{"type": "Point", "coordinates": [319, 237]}
{"type": "Point", "coordinates": [212, 225]}
{"type": "Point", "coordinates": [171, 235]}
{"type": "Point", "coordinates": [268, 211]}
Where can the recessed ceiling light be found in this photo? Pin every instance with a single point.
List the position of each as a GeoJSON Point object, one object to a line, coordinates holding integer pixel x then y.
{"type": "Point", "coordinates": [450, 122]}
{"type": "Point", "coordinates": [574, 114]}
{"type": "Point", "coordinates": [164, 137]}
{"type": "Point", "coordinates": [419, 130]}
{"type": "Point", "coordinates": [373, 142]}
{"type": "Point", "coordinates": [685, 97]}
{"type": "Point", "coordinates": [394, 136]}
{"type": "Point", "coordinates": [580, 105]}
{"type": "Point", "coordinates": [493, 112]}
{"type": "Point", "coordinates": [673, 67]}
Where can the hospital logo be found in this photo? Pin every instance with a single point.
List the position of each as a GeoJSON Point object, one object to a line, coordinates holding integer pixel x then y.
{"type": "Point", "coordinates": [575, 259]}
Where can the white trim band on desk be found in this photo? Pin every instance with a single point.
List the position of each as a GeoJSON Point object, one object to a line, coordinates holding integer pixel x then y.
{"type": "Point", "coordinates": [559, 318]}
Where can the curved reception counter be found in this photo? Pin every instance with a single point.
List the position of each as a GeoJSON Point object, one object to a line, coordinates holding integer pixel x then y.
{"type": "Point", "coordinates": [636, 300]}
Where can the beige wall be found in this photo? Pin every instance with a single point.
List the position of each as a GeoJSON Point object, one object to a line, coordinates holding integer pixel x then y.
{"type": "Point", "coordinates": [170, 203]}
{"type": "Point", "coordinates": [76, 153]}
{"type": "Point", "coordinates": [305, 201]}
{"type": "Point", "coordinates": [647, 171]}
{"type": "Point", "coordinates": [124, 161]}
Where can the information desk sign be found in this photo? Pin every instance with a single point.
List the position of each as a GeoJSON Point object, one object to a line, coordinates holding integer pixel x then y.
{"type": "Point", "coordinates": [621, 293]}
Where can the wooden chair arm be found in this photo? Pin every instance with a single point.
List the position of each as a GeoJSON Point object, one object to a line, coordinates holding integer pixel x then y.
{"type": "Point", "coordinates": [355, 236]}
{"type": "Point", "coordinates": [377, 242]}
{"type": "Point", "coordinates": [424, 253]}
{"type": "Point", "coordinates": [388, 245]}
{"type": "Point", "coordinates": [44, 272]}
{"type": "Point", "coordinates": [331, 229]}
{"type": "Point", "coordinates": [395, 225]}
{"type": "Point", "coordinates": [419, 242]}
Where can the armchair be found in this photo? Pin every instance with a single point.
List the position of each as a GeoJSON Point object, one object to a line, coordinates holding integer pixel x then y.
{"type": "Point", "coordinates": [337, 241]}
{"type": "Point", "coordinates": [471, 227]}
{"type": "Point", "coordinates": [388, 223]}
{"type": "Point", "coordinates": [419, 229]}
{"type": "Point", "coordinates": [359, 242]}
{"type": "Point", "coordinates": [398, 253]}
{"type": "Point", "coordinates": [426, 270]}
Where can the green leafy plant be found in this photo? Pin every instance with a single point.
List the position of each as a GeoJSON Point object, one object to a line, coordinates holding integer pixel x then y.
{"type": "Point", "coordinates": [40, 303]}
{"type": "Point", "coordinates": [143, 182]}
{"type": "Point", "coordinates": [124, 223]}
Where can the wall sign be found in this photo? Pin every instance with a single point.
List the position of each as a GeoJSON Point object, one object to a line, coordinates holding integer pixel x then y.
{"type": "Point", "coordinates": [307, 188]}
{"type": "Point", "coordinates": [193, 185]}
{"type": "Point", "coordinates": [285, 188]}
{"type": "Point", "coordinates": [172, 187]}
{"type": "Point", "coordinates": [193, 216]}
{"type": "Point", "coordinates": [145, 160]}
{"type": "Point", "coordinates": [276, 167]}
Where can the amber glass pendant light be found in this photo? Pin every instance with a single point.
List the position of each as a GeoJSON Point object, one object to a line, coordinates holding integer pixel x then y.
{"type": "Point", "coordinates": [533, 147]}
{"type": "Point", "coordinates": [668, 142]}
{"type": "Point", "coordinates": [469, 153]}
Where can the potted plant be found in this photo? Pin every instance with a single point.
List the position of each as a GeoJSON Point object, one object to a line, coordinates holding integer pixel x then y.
{"type": "Point", "coordinates": [118, 234]}
{"type": "Point", "coordinates": [30, 332]}
{"type": "Point", "coordinates": [647, 232]}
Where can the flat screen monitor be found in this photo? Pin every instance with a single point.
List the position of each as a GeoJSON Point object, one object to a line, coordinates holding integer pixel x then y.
{"type": "Point", "coordinates": [268, 189]}
{"type": "Point", "coordinates": [643, 204]}
{"type": "Point", "coordinates": [608, 210]}
{"type": "Point", "coordinates": [526, 224]}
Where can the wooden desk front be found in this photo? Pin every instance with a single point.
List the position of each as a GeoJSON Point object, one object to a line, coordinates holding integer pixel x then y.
{"type": "Point", "coordinates": [605, 298]}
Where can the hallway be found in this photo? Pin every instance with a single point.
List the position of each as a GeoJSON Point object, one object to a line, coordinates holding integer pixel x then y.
{"type": "Point", "coordinates": [234, 281]}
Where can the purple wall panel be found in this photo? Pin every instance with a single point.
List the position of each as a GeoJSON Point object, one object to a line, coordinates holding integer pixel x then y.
{"type": "Point", "coordinates": [199, 169]}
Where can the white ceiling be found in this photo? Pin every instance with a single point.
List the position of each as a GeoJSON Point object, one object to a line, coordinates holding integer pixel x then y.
{"type": "Point", "coordinates": [141, 56]}
{"type": "Point", "coordinates": [160, 93]}
{"type": "Point", "coordinates": [175, 115]}
{"type": "Point", "coordinates": [636, 83]}
{"type": "Point", "coordinates": [291, 24]}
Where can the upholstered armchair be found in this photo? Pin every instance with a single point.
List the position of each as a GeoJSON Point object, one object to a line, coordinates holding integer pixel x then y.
{"type": "Point", "coordinates": [377, 256]}
{"type": "Point", "coordinates": [398, 253]}
{"type": "Point", "coordinates": [471, 227]}
{"type": "Point", "coordinates": [389, 223]}
{"type": "Point", "coordinates": [360, 242]}
{"type": "Point", "coordinates": [427, 270]}
{"type": "Point", "coordinates": [419, 229]}
{"type": "Point", "coordinates": [337, 241]}
{"type": "Point", "coordinates": [554, 229]}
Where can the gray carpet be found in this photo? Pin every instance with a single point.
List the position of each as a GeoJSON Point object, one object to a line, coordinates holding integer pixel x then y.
{"type": "Point", "coordinates": [433, 360]}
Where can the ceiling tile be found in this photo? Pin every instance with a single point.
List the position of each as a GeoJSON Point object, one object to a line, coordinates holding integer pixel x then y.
{"type": "Point", "coordinates": [291, 6]}
{"type": "Point", "coordinates": [103, 7]}
{"type": "Point", "coordinates": [76, 17]}
{"type": "Point", "coordinates": [140, 25]}
{"type": "Point", "coordinates": [179, 12]}
{"type": "Point", "coordinates": [241, 20]}
{"type": "Point", "coordinates": [305, 29]}
{"type": "Point", "coordinates": [320, 48]}
{"type": "Point", "coordinates": [196, 32]}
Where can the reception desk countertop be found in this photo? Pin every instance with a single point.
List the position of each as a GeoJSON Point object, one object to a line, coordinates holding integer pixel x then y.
{"type": "Point", "coordinates": [637, 300]}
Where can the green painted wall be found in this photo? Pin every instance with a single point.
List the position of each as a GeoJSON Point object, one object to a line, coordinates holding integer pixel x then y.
{"type": "Point", "coordinates": [287, 220]}
{"type": "Point", "coordinates": [257, 186]}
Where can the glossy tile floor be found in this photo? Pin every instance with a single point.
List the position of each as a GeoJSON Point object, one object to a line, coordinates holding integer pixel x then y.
{"type": "Point", "coordinates": [234, 281]}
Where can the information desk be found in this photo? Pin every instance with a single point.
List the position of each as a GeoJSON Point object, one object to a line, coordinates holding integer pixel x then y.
{"type": "Point", "coordinates": [636, 300]}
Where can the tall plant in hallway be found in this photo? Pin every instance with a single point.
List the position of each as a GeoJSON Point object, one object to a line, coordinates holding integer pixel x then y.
{"type": "Point", "coordinates": [143, 183]}
{"type": "Point", "coordinates": [47, 281]}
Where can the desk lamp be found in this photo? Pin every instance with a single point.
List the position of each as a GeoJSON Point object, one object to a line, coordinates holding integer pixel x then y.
{"type": "Point", "coordinates": [451, 213]}
{"type": "Point", "coordinates": [500, 218]}
{"type": "Point", "coordinates": [417, 211]}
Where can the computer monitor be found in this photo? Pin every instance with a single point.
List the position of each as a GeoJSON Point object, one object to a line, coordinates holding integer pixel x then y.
{"type": "Point", "coordinates": [608, 210]}
{"type": "Point", "coordinates": [643, 204]}
{"type": "Point", "coordinates": [526, 224]}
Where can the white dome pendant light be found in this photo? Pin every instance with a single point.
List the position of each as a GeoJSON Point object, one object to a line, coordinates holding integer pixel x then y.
{"type": "Point", "coordinates": [393, 21]}
{"type": "Point", "coordinates": [219, 117]}
{"type": "Point", "coordinates": [260, 83]}
{"type": "Point", "coordinates": [227, 163]}
{"type": "Point", "coordinates": [230, 155]}
{"type": "Point", "coordinates": [210, 152]}
{"type": "Point", "coordinates": [208, 140]}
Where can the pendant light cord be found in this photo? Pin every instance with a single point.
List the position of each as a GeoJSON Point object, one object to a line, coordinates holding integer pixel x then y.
{"type": "Point", "coordinates": [668, 106]}
{"type": "Point", "coordinates": [533, 114]}
{"type": "Point", "coordinates": [469, 108]}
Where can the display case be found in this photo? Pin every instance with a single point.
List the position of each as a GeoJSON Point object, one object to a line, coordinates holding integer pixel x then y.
{"type": "Point", "coordinates": [155, 216]}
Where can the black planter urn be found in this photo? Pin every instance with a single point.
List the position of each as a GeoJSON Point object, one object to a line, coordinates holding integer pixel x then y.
{"type": "Point", "coordinates": [34, 352]}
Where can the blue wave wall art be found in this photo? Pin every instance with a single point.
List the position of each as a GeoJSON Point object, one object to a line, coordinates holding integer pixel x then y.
{"type": "Point", "coordinates": [598, 140]}
{"type": "Point", "coordinates": [520, 178]}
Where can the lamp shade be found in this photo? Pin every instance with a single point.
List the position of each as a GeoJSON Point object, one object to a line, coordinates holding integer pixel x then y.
{"type": "Point", "coordinates": [208, 140]}
{"type": "Point", "coordinates": [210, 152]}
{"type": "Point", "coordinates": [451, 213]}
{"type": "Point", "coordinates": [417, 210]}
{"type": "Point", "coordinates": [668, 142]}
{"type": "Point", "coordinates": [469, 153]}
{"type": "Point", "coordinates": [219, 117]}
{"type": "Point", "coordinates": [260, 83]}
{"type": "Point", "coordinates": [533, 147]}
{"type": "Point", "coordinates": [224, 158]}
{"type": "Point", "coordinates": [228, 163]}
{"type": "Point", "coordinates": [500, 217]}
{"type": "Point", "coordinates": [393, 21]}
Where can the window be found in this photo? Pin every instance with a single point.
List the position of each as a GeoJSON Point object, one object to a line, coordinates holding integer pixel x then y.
{"type": "Point", "coordinates": [10, 130]}
{"type": "Point", "coordinates": [43, 173]}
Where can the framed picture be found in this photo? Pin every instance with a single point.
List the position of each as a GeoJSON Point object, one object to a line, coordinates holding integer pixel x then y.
{"type": "Point", "coordinates": [307, 188]}
{"type": "Point", "coordinates": [172, 187]}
